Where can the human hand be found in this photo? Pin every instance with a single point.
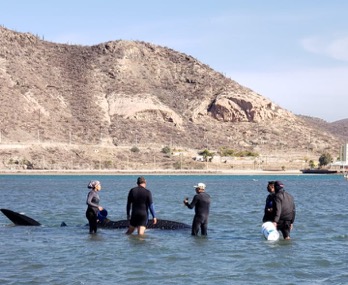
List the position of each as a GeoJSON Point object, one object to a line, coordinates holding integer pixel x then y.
{"type": "Point", "coordinates": [100, 208]}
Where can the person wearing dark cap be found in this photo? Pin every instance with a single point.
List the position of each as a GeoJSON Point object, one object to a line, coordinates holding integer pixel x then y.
{"type": "Point", "coordinates": [93, 205]}
{"type": "Point", "coordinates": [201, 203]}
{"type": "Point", "coordinates": [270, 204]}
{"type": "Point", "coordinates": [139, 202]}
{"type": "Point", "coordinates": [285, 211]}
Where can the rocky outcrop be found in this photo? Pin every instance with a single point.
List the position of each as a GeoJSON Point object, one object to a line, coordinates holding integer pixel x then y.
{"type": "Point", "coordinates": [121, 92]}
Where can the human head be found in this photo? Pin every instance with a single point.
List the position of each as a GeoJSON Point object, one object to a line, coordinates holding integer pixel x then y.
{"type": "Point", "coordinates": [93, 184]}
{"type": "Point", "coordinates": [200, 187]}
{"type": "Point", "coordinates": [270, 186]}
{"type": "Point", "coordinates": [278, 185]}
{"type": "Point", "coordinates": [141, 180]}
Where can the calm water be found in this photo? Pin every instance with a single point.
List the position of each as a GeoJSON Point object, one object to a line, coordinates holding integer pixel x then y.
{"type": "Point", "coordinates": [233, 253]}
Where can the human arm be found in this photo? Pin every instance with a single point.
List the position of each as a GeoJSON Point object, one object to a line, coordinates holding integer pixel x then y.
{"type": "Point", "coordinates": [294, 213]}
{"type": "Point", "coordinates": [193, 202]}
{"type": "Point", "coordinates": [277, 209]}
{"type": "Point", "coordinates": [128, 207]}
{"type": "Point", "coordinates": [153, 213]}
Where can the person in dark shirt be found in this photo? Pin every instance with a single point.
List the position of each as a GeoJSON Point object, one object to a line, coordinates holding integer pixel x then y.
{"type": "Point", "coordinates": [270, 204]}
{"type": "Point", "coordinates": [201, 203]}
{"type": "Point", "coordinates": [93, 205]}
{"type": "Point", "coordinates": [139, 202]}
{"type": "Point", "coordinates": [285, 211]}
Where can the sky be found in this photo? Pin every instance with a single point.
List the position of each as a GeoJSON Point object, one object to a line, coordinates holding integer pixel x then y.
{"type": "Point", "coordinates": [294, 53]}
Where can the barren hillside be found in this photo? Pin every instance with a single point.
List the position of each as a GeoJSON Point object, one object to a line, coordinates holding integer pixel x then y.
{"type": "Point", "coordinates": [117, 104]}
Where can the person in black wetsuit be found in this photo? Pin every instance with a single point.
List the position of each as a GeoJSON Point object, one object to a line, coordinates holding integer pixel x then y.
{"type": "Point", "coordinates": [139, 202]}
{"type": "Point", "coordinates": [270, 204]}
{"type": "Point", "coordinates": [201, 203]}
{"type": "Point", "coordinates": [93, 205]}
{"type": "Point", "coordinates": [285, 211]}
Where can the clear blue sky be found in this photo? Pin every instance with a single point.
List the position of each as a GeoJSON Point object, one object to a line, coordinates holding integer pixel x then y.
{"type": "Point", "coordinates": [293, 52]}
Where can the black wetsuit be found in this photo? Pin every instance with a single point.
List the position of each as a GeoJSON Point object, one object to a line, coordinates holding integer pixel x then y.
{"type": "Point", "coordinates": [285, 211]}
{"type": "Point", "coordinates": [92, 210]}
{"type": "Point", "coordinates": [139, 201]}
{"type": "Point", "coordinates": [201, 203]}
{"type": "Point", "coordinates": [269, 208]}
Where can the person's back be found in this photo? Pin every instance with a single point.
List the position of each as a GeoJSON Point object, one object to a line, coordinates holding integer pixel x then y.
{"type": "Point", "coordinates": [139, 201]}
{"type": "Point", "coordinates": [285, 210]}
{"type": "Point", "coordinates": [286, 202]}
{"type": "Point", "coordinates": [139, 197]}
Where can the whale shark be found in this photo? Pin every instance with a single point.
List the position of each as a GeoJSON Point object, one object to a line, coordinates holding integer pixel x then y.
{"type": "Point", "coordinates": [20, 219]}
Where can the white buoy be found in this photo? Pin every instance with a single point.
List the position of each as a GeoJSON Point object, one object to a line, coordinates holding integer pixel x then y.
{"type": "Point", "coordinates": [269, 231]}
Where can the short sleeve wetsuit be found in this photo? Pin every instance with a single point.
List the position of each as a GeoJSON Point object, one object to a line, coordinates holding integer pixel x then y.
{"type": "Point", "coordinates": [139, 202]}
{"type": "Point", "coordinates": [201, 203]}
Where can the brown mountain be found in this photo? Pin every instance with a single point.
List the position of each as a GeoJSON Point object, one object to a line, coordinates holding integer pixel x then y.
{"type": "Point", "coordinates": [117, 104]}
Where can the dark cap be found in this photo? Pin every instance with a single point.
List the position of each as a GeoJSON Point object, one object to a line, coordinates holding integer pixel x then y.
{"type": "Point", "coordinates": [141, 180]}
{"type": "Point", "coordinates": [278, 185]}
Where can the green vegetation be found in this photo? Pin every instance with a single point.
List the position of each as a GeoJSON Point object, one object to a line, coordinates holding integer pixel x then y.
{"type": "Point", "coordinates": [134, 149]}
{"type": "Point", "coordinates": [224, 151]}
{"type": "Point", "coordinates": [325, 159]}
{"type": "Point", "coordinates": [166, 150]}
{"type": "Point", "coordinates": [311, 164]}
{"type": "Point", "coordinates": [207, 154]}
{"type": "Point", "coordinates": [24, 162]}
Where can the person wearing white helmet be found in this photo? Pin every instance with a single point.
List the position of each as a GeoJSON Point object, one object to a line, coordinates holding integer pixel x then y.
{"type": "Point", "coordinates": [201, 203]}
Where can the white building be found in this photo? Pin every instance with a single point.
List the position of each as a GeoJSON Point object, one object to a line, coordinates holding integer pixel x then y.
{"type": "Point", "coordinates": [343, 162]}
{"type": "Point", "coordinates": [344, 153]}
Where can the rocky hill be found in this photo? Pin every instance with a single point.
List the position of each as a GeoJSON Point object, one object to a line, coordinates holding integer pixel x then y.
{"type": "Point", "coordinates": [116, 105]}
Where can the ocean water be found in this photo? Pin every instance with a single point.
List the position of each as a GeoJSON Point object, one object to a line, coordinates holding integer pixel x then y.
{"type": "Point", "coordinates": [234, 252]}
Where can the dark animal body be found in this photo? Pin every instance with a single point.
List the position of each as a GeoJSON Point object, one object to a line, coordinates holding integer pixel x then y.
{"type": "Point", "coordinates": [161, 224]}
{"type": "Point", "coordinates": [19, 219]}
{"type": "Point", "coordinates": [23, 220]}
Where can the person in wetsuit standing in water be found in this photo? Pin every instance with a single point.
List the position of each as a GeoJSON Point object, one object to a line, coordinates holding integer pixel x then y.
{"type": "Point", "coordinates": [93, 205]}
{"type": "Point", "coordinates": [270, 203]}
{"type": "Point", "coordinates": [285, 211]}
{"type": "Point", "coordinates": [201, 203]}
{"type": "Point", "coordinates": [140, 202]}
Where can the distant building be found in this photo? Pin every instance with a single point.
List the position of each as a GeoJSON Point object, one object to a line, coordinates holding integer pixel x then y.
{"type": "Point", "coordinates": [342, 164]}
{"type": "Point", "coordinates": [344, 154]}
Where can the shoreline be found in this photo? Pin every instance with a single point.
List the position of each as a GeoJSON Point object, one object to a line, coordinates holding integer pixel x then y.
{"type": "Point", "coordinates": [151, 172]}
